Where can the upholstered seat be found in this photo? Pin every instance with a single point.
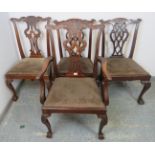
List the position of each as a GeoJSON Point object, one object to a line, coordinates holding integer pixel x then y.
{"type": "Point", "coordinates": [74, 93]}
{"type": "Point", "coordinates": [27, 67]}
{"type": "Point", "coordinates": [86, 65]}
{"type": "Point", "coordinates": [118, 67]}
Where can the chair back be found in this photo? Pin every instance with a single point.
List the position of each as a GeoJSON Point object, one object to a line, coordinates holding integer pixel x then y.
{"type": "Point", "coordinates": [32, 33]}
{"type": "Point", "coordinates": [122, 33]}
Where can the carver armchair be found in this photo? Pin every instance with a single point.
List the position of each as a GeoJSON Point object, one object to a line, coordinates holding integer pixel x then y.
{"type": "Point", "coordinates": [29, 66]}
{"type": "Point", "coordinates": [73, 94]}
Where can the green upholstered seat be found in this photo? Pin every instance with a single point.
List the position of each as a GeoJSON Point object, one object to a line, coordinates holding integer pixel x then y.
{"type": "Point", "coordinates": [124, 67]}
{"type": "Point", "coordinates": [74, 93]}
{"type": "Point", "coordinates": [27, 66]}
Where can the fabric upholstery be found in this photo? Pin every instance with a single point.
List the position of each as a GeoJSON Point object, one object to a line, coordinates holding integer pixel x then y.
{"type": "Point", "coordinates": [124, 67]}
{"type": "Point", "coordinates": [74, 92]}
{"type": "Point", "coordinates": [86, 65]}
{"type": "Point", "coordinates": [27, 66]}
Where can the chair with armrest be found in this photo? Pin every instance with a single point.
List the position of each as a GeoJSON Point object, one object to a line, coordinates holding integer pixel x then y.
{"type": "Point", "coordinates": [29, 66]}
{"type": "Point", "coordinates": [120, 65]}
{"type": "Point", "coordinates": [77, 95]}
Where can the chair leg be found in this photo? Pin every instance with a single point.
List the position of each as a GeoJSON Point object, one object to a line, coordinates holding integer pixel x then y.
{"type": "Point", "coordinates": [103, 122]}
{"type": "Point", "coordinates": [10, 86]}
{"type": "Point", "coordinates": [45, 121]}
{"type": "Point", "coordinates": [147, 85]}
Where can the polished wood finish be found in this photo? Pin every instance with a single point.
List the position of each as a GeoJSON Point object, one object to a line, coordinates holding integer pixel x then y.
{"type": "Point", "coordinates": [119, 36]}
{"type": "Point", "coordinates": [32, 33]}
{"type": "Point", "coordinates": [74, 44]}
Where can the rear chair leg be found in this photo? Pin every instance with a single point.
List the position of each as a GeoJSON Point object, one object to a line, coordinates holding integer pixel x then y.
{"type": "Point", "coordinates": [45, 121]}
{"type": "Point", "coordinates": [10, 86]}
{"type": "Point", "coordinates": [147, 85]}
{"type": "Point", "coordinates": [103, 122]}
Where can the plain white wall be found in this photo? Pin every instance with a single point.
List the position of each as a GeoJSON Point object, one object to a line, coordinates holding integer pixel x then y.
{"type": "Point", "coordinates": [145, 49]}
{"type": "Point", "coordinates": [8, 56]}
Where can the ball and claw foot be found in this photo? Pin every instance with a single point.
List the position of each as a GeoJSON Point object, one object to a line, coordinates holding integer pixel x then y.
{"type": "Point", "coordinates": [101, 136]}
{"type": "Point", "coordinates": [141, 101]}
{"type": "Point", "coordinates": [15, 98]}
{"type": "Point", "coordinates": [49, 135]}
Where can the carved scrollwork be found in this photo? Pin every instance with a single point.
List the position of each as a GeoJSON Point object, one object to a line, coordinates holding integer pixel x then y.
{"type": "Point", "coordinates": [120, 34]}
{"type": "Point", "coordinates": [75, 42]}
{"type": "Point", "coordinates": [32, 32]}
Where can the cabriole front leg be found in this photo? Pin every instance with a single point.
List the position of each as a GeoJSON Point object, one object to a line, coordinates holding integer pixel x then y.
{"type": "Point", "coordinates": [45, 121]}
{"type": "Point", "coordinates": [147, 85]}
{"type": "Point", "coordinates": [12, 89]}
{"type": "Point", "coordinates": [103, 122]}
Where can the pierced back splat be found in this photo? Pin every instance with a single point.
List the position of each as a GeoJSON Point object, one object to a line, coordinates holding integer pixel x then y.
{"type": "Point", "coordinates": [120, 34]}
{"type": "Point", "coordinates": [31, 32]}
{"type": "Point", "coordinates": [74, 43]}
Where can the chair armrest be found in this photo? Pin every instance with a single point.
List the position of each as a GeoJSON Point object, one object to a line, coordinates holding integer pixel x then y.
{"type": "Point", "coordinates": [106, 78]}
{"type": "Point", "coordinates": [103, 62]}
{"type": "Point", "coordinates": [44, 67]}
{"type": "Point", "coordinates": [41, 78]}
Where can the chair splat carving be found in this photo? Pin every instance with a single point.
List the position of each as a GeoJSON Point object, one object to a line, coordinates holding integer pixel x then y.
{"type": "Point", "coordinates": [119, 36]}
{"type": "Point", "coordinates": [31, 32]}
{"type": "Point", "coordinates": [74, 43]}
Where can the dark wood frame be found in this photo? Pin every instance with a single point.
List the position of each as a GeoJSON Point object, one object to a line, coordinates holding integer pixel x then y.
{"type": "Point", "coordinates": [31, 22]}
{"type": "Point", "coordinates": [145, 80]}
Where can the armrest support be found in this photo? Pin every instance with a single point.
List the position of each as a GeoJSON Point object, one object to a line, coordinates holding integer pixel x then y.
{"type": "Point", "coordinates": [45, 67]}
{"type": "Point", "coordinates": [106, 79]}
{"type": "Point", "coordinates": [103, 62]}
{"type": "Point", "coordinates": [40, 77]}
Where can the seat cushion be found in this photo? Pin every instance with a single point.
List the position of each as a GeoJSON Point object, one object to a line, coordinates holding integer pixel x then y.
{"type": "Point", "coordinates": [124, 67]}
{"type": "Point", "coordinates": [27, 67]}
{"type": "Point", "coordinates": [74, 93]}
{"type": "Point", "coordinates": [86, 65]}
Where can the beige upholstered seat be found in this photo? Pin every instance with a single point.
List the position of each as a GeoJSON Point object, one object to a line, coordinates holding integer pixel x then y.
{"type": "Point", "coordinates": [118, 67]}
{"type": "Point", "coordinates": [27, 66]}
{"type": "Point", "coordinates": [86, 65]}
{"type": "Point", "coordinates": [74, 93]}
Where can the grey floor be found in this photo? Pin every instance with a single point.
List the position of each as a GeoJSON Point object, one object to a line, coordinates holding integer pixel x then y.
{"type": "Point", "coordinates": [127, 121]}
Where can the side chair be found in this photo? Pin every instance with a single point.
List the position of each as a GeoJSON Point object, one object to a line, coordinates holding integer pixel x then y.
{"type": "Point", "coordinates": [29, 66]}
{"type": "Point", "coordinates": [120, 33]}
